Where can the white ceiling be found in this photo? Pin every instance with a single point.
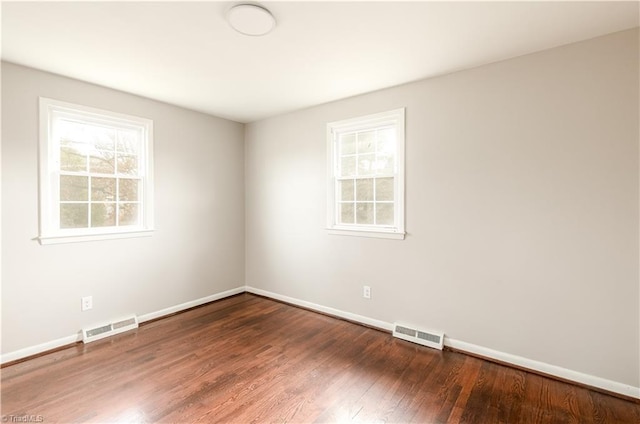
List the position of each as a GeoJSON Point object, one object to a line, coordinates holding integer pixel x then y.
{"type": "Point", "coordinates": [186, 54]}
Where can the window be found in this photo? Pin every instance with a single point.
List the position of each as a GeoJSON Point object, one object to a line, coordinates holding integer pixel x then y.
{"type": "Point", "coordinates": [366, 176]}
{"type": "Point", "coordinates": [95, 174]}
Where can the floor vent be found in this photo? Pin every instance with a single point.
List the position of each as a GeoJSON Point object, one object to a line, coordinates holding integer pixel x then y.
{"type": "Point", "coordinates": [432, 339]}
{"type": "Point", "coordinates": [106, 330]}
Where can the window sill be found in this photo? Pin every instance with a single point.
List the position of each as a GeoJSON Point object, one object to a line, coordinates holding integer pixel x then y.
{"type": "Point", "coordinates": [396, 235]}
{"type": "Point", "coordinates": [76, 238]}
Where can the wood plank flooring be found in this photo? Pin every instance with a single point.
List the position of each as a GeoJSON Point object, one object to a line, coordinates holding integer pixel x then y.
{"type": "Point", "coordinates": [247, 359]}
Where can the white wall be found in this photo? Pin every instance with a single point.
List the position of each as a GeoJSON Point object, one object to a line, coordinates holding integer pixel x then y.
{"type": "Point", "coordinates": [521, 209]}
{"type": "Point", "coordinates": [198, 246]}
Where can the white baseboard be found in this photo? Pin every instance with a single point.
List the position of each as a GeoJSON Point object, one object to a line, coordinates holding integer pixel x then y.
{"type": "Point", "coordinates": [324, 309]}
{"type": "Point", "coordinates": [542, 367]}
{"type": "Point", "coordinates": [553, 370]}
{"type": "Point", "coordinates": [54, 344]}
{"type": "Point", "coordinates": [43, 347]}
{"type": "Point", "coordinates": [191, 304]}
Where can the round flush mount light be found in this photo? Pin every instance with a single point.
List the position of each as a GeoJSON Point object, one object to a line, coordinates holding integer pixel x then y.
{"type": "Point", "coordinates": [251, 19]}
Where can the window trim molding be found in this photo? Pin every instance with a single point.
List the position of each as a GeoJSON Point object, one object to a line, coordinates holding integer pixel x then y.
{"type": "Point", "coordinates": [94, 237]}
{"type": "Point", "coordinates": [48, 231]}
{"type": "Point", "coordinates": [395, 117]}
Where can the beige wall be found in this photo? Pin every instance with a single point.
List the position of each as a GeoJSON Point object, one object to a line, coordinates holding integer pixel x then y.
{"type": "Point", "coordinates": [521, 209]}
{"type": "Point", "coordinates": [198, 246]}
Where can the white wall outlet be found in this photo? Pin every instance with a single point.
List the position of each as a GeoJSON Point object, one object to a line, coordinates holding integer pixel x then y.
{"type": "Point", "coordinates": [87, 303]}
{"type": "Point", "coordinates": [366, 292]}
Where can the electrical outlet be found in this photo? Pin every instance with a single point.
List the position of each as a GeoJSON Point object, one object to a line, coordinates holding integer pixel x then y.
{"type": "Point", "coordinates": [366, 292]}
{"type": "Point", "coordinates": [87, 303]}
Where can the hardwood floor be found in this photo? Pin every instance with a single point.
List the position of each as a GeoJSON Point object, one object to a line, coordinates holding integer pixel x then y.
{"type": "Point", "coordinates": [249, 359]}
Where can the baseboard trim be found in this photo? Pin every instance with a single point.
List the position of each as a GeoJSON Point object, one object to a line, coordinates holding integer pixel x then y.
{"type": "Point", "coordinates": [370, 322]}
{"type": "Point", "coordinates": [564, 374]}
{"type": "Point", "coordinates": [553, 371]}
{"type": "Point", "coordinates": [188, 305]}
{"type": "Point", "coordinates": [44, 348]}
{"type": "Point", "coordinates": [37, 350]}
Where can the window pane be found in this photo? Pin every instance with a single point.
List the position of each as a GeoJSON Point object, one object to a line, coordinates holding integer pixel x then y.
{"type": "Point", "coordinates": [383, 164]}
{"type": "Point", "coordinates": [103, 214]}
{"type": "Point", "coordinates": [128, 164]}
{"type": "Point", "coordinates": [128, 214]}
{"type": "Point", "coordinates": [76, 144]}
{"type": "Point", "coordinates": [346, 213]}
{"type": "Point", "coordinates": [386, 141]}
{"type": "Point", "coordinates": [128, 141]}
{"type": "Point", "coordinates": [102, 138]}
{"type": "Point", "coordinates": [384, 213]}
{"type": "Point", "coordinates": [348, 166]}
{"type": "Point", "coordinates": [74, 132]}
{"type": "Point", "coordinates": [365, 164]}
{"type": "Point", "coordinates": [103, 189]}
{"type": "Point", "coordinates": [346, 189]}
{"type": "Point", "coordinates": [74, 215]}
{"type": "Point", "coordinates": [73, 188]}
{"type": "Point", "coordinates": [72, 158]}
{"type": "Point", "coordinates": [102, 162]}
{"type": "Point", "coordinates": [347, 144]}
{"type": "Point", "coordinates": [384, 189]}
{"type": "Point", "coordinates": [364, 189]}
{"type": "Point", "coordinates": [70, 131]}
{"type": "Point", "coordinates": [128, 190]}
{"type": "Point", "coordinates": [366, 142]}
{"type": "Point", "coordinates": [364, 213]}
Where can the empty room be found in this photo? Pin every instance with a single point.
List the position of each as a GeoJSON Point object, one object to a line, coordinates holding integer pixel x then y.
{"type": "Point", "coordinates": [402, 212]}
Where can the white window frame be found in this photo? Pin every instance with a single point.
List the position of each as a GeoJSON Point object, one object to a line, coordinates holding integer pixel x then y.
{"type": "Point", "coordinates": [49, 166]}
{"type": "Point", "coordinates": [397, 230]}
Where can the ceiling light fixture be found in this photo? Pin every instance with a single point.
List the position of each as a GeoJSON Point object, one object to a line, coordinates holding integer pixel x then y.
{"type": "Point", "coordinates": [251, 19]}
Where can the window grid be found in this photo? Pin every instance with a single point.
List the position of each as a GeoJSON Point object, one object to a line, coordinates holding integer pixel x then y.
{"type": "Point", "coordinates": [372, 175]}
{"type": "Point", "coordinates": [116, 153]}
